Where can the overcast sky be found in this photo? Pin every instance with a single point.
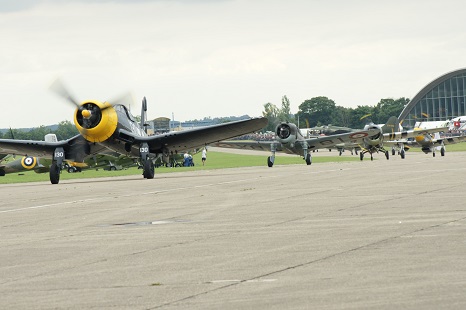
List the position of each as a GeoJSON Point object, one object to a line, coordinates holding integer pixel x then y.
{"type": "Point", "coordinates": [198, 58]}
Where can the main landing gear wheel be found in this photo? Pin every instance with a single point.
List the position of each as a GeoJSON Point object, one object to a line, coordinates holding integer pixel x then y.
{"type": "Point", "coordinates": [387, 155]}
{"type": "Point", "coordinates": [308, 159]}
{"type": "Point", "coordinates": [393, 152]}
{"type": "Point", "coordinates": [361, 155]}
{"type": "Point", "coordinates": [269, 162]}
{"type": "Point", "coordinates": [148, 169]}
{"type": "Point", "coordinates": [402, 154]}
{"type": "Point", "coordinates": [54, 173]}
{"type": "Point", "coordinates": [442, 151]}
{"type": "Point", "coordinates": [433, 154]}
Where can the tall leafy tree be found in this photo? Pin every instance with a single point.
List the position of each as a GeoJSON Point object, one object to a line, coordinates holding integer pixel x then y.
{"type": "Point", "coordinates": [316, 111]}
{"type": "Point", "coordinates": [389, 107]}
{"type": "Point", "coordinates": [284, 114]}
{"type": "Point", "coordinates": [342, 116]}
{"type": "Point", "coordinates": [360, 116]}
{"type": "Point", "coordinates": [66, 130]}
{"type": "Point", "coordinates": [272, 113]}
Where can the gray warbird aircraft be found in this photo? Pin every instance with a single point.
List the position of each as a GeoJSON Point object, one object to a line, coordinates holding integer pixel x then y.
{"type": "Point", "coordinates": [328, 130]}
{"type": "Point", "coordinates": [389, 131]}
{"type": "Point", "coordinates": [104, 126]}
{"type": "Point", "coordinates": [290, 140]}
{"type": "Point", "coordinates": [427, 143]}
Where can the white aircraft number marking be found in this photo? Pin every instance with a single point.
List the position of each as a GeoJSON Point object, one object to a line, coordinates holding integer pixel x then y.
{"type": "Point", "coordinates": [59, 154]}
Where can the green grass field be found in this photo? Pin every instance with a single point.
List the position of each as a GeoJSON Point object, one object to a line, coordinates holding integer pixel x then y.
{"type": "Point", "coordinates": [215, 160]}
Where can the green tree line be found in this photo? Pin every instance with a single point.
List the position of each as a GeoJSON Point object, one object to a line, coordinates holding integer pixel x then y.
{"type": "Point", "coordinates": [64, 130]}
{"type": "Point", "coordinates": [319, 111]}
{"type": "Point", "coordinates": [313, 112]}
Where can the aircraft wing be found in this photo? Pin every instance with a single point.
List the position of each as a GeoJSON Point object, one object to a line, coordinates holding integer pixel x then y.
{"type": "Point", "coordinates": [252, 145]}
{"type": "Point", "coordinates": [434, 142]}
{"type": "Point", "coordinates": [178, 141]}
{"type": "Point", "coordinates": [30, 147]}
{"type": "Point", "coordinates": [450, 140]}
{"type": "Point", "coordinates": [349, 138]}
{"type": "Point", "coordinates": [77, 147]}
{"type": "Point", "coordinates": [412, 133]}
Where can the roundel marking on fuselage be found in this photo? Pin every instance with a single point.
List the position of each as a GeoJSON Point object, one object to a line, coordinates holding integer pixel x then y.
{"type": "Point", "coordinates": [28, 162]}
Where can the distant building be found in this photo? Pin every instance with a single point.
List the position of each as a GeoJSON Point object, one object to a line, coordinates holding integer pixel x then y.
{"type": "Point", "coordinates": [442, 99]}
{"type": "Point", "coordinates": [164, 124]}
{"type": "Point", "coordinates": [196, 124]}
{"type": "Point", "coordinates": [160, 125]}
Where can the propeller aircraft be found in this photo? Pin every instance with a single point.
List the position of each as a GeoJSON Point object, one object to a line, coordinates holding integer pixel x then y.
{"type": "Point", "coordinates": [289, 139]}
{"type": "Point", "coordinates": [427, 142]}
{"type": "Point", "coordinates": [105, 126]}
{"type": "Point", "coordinates": [25, 163]}
{"type": "Point", "coordinates": [388, 131]}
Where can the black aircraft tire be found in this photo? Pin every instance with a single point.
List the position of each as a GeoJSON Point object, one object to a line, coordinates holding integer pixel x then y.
{"type": "Point", "coordinates": [308, 159]}
{"type": "Point", "coordinates": [269, 162]}
{"type": "Point", "coordinates": [402, 154]}
{"type": "Point", "coordinates": [442, 151]}
{"type": "Point", "coordinates": [393, 152]}
{"type": "Point", "coordinates": [148, 169]}
{"type": "Point", "coordinates": [361, 155]}
{"type": "Point", "coordinates": [54, 173]}
{"type": "Point", "coordinates": [387, 155]}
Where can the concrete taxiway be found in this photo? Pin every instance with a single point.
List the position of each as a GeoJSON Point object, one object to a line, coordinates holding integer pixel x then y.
{"type": "Point", "coordinates": [382, 234]}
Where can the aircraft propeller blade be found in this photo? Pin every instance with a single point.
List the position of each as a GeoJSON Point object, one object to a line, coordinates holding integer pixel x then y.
{"type": "Point", "coordinates": [59, 88]}
{"type": "Point", "coordinates": [126, 99]}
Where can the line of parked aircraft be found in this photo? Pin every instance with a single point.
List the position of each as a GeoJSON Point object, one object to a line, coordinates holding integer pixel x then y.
{"type": "Point", "coordinates": [108, 133]}
{"type": "Point", "coordinates": [372, 139]}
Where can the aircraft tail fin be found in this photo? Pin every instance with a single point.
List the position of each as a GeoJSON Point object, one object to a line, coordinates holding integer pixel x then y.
{"type": "Point", "coordinates": [143, 114]}
{"type": "Point", "coordinates": [392, 125]}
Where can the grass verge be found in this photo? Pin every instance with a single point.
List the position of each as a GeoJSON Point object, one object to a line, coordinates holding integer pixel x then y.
{"type": "Point", "coordinates": [215, 160]}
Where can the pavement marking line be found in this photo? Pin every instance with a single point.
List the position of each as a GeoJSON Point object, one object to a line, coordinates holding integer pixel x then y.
{"type": "Point", "coordinates": [134, 194]}
{"type": "Point", "coordinates": [244, 281]}
{"type": "Point", "coordinates": [49, 205]}
{"type": "Point", "coordinates": [126, 195]}
{"type": "Point", "coordinates": [174, 189]}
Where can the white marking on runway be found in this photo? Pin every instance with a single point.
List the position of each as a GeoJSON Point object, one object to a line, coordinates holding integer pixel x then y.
{"type": "Point", "coordinates": [244, 281]}
{"type": "Point", "coordinates": [128, 195]}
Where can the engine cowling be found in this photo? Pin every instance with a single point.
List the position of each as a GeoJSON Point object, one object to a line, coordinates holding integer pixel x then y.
{"type": "Point", "coordinates": [95, 120]}
{"type": "Point", "coordinates": [378, 135]}
{"type": "Point", "coordinates": [423, 139]}
{"type": "Point", "coordinates": [286, 133]}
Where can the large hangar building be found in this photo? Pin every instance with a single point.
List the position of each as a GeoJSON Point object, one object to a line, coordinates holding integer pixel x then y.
{"type": "Point", "coordinates": [442, 99]}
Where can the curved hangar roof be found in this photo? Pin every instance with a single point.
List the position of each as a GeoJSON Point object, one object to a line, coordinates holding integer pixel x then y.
{"type": "Point", "coordinates": [427, 89]}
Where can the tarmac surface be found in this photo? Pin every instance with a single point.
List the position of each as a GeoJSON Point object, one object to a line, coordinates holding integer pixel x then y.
{"type": "Point", "coordinates": [355, 235]}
